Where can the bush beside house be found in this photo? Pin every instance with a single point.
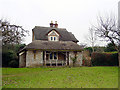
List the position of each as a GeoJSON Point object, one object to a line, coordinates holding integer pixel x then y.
{"type": "Point", "coordinates": [104, 59]}
{"type": "Point", "coordinates": [9, 55]}
{"type": "Point", "coordinates": [86, 58]}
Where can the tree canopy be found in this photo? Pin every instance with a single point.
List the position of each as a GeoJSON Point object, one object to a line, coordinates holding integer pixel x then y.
{"type": "Point", "coordinates": [107, 28]}
{"type": "Point", "coordinates": [11, 34]}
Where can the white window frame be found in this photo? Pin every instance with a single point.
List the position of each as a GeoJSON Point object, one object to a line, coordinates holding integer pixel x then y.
{"type": "Point", "coordinates": [54, 38]}
{"type": "Point", "coordinates": [53, 56]}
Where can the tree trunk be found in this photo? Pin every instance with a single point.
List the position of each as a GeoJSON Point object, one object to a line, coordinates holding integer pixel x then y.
{"type": "Point", "coordinates": [93, 48]}
{"type": "Point", "coordinates": [119, 58]}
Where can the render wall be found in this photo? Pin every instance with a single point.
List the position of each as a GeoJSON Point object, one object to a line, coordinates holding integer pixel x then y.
{"type": "Point", "coordinates": [22, 59]}
{"type": "Point", "coordinates": [34, 58]}
{"type": "Point", "coordinates": [79, 58]}
{"type": "Point", "coordinates": [71, 55]}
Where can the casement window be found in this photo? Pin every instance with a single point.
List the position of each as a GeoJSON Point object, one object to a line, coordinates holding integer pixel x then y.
{"type": "Point", "coordinates": [53, 55]}
{"type": "Point", "coordinates": [53, 38]}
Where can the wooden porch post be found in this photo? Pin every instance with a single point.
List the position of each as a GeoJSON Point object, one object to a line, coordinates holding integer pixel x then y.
{"type": "Point", "coordinates": [57, 59]}
{"type": "Point", "coordinates": [56, 62]}
{"type": "Point", "coordinates": [50, 63]}
{"type": "Point", "coordinates": [66, 58]}
{"type": "Point", "coordinates": [45, 58]}
{"type": "Point", "coordinates": [62, 63]}
{"type": "Point", "coordinates": [50, 60]}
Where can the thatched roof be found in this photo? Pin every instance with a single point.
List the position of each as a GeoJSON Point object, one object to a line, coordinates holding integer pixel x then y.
{"type": "Point", "coordinates": [41, 33]}
{"type": "Point", "coordinates": [53, 45]}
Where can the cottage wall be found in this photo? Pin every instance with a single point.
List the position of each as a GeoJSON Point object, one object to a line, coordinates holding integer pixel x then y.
{"type": "Point", "coordinates": [71, 55]}
{"type": "Point", "coordinates": [34, 58]}
{"type": "Point", "coordinates": [22, 59]}
{"type": "Point", "coordinates": [79, 58]}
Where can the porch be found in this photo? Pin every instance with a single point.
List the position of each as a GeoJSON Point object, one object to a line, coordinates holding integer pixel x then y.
{"type": "Point", "coordinates": [55, 63]}
{"type": "Point", "coordinates": [53, 58]}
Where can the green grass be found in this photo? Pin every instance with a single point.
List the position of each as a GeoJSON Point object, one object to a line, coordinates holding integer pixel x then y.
{"type": "Point", "coordinates": [0, 78]}
{"type": "Point", "coordinates": [75, 77]}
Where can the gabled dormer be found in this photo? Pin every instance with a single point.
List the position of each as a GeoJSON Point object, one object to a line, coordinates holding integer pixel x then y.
{"type": "Point", "coordinates": [53, 35]}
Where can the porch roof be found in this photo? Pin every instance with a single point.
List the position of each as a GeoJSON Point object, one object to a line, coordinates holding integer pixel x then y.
{"type": "Point", "coordinates": [53, 45]}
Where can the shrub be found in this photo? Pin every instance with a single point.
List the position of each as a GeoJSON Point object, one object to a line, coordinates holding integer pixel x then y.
{"type": "Point", "coordinates": [110, 48]}
{"type": "Point", "coordinates": [8, 57]}
{"type": "Point", "coordinates": [74, 59]}
{"type": "Point", "coordinates": [104, 59]}
{"type": "Point", "coordinates": [13, 63]}
{"type": "Point", "coordinates": [86, 58]}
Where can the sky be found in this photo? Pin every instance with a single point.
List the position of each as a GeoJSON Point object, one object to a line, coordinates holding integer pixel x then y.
{"type": "Point", "coordinates": [74, 15]}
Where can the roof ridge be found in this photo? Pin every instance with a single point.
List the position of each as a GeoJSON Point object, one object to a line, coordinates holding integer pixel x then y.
{"type": "Point", "coordinates": [50, 41]}
{"type": "Point", "coordinates": [48, 27]}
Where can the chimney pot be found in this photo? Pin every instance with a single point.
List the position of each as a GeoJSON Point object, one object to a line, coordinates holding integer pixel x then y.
{"type": "Point", "coordinates": [56, 25]}
{"type": "Point", "coordinates": [51, 21]}
{"type": "Point", "coordinates": [55, 22]}
{"type": "Point", "coordinates": [51, 24]}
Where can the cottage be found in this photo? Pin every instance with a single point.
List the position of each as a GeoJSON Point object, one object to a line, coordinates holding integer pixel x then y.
{"type": "Point", "coordinates": [51, 46]}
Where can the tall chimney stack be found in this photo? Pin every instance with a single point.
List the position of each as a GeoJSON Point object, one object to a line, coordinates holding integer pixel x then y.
{"type": "Point", "coordinates": [56, 25]}
{"type": "Point", "coordinates": [51, 24]}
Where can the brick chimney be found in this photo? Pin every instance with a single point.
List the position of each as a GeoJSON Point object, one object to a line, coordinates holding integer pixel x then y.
{"type": "Point", "coordinates": [51, 24]}
{"type": "Point", "coordinates": [54, 25]}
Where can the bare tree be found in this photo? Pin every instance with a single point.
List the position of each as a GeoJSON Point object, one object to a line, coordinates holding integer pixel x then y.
{"type": "Point", "coordinates": [11, 34]}
{"type": "Point", "coordinates": [107, 29]}
{"type": "Point", "coordinates": [91, 38]}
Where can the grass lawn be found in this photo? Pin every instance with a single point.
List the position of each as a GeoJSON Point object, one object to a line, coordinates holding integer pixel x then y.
{"type": "Point", "coordinates": [59, 77]}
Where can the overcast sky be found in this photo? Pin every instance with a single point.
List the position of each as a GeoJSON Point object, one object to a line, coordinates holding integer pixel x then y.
{"type": "Point", "coordinates": [74, 15]}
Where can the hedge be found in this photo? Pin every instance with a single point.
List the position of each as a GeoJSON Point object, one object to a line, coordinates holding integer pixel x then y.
{"type": "Point", "coordinates": [104, 59]}
{"type": "Point", "coordinates": [9, 59]}
{"type": "Point", "coordinates": [9, 55]}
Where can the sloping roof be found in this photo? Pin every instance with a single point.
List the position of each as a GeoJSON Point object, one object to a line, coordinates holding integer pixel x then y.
{"type": "Point", "coordinates": [40, 33]}
{"type": "Point", "coordinates": [53, 45]}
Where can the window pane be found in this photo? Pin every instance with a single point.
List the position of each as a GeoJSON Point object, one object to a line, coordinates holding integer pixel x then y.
{"type": "Point", "coordinates": [51, 38]}
{"type": "Point", "coordinates": [55, 55]}
{"type": "Point", "coordinates": [54, 38]}
{"type": "Point", "coordinates": [51, 56]}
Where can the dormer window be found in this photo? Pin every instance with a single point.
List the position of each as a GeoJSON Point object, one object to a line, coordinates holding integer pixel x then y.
{"type": "Point", "coordinates": [53, 36]}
